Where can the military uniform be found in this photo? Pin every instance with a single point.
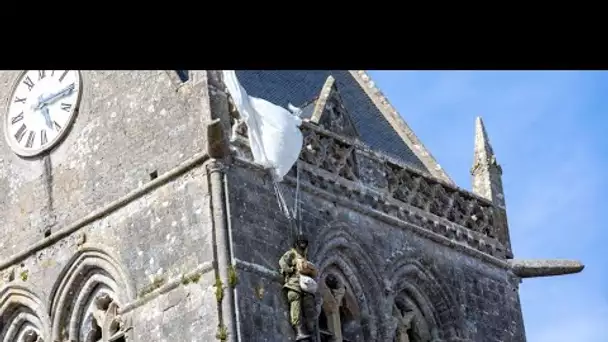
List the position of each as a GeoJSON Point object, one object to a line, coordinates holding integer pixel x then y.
{"type": "Point", "coordinates": [289, 264]}
{"type": "Point", "coordinates": [291, 276]}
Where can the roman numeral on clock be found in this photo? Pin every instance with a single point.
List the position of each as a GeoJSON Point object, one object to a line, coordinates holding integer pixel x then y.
{"type": "Point", "coordinates": [17, 118]}
{"type": "Point", "coordinates": [66, 106]}
{"type": "Point", "coordinates": [57, 126]}
{"type": "Point", "coordinates": [20, 100]}
{"type": "Point", "coordinates": [30, 139]}
{"type": "Point", "coordinates": [20, 132]}
{"type": "Point", "coordinates": [41, 74]}
{"type": "Point", "coordinates": [63, 75]}
{"type": "Point", "coordinates": [28, 82]}
{"type": "Point", "coordinates": [43, 139]}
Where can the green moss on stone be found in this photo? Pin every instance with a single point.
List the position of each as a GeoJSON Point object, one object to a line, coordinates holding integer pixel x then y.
{"type": "Point", "coordinates": [232, 276]}
{"type": "Point", "coordinates": [222, 333]}
{"type": "Point", "coordinates": [219, 289]}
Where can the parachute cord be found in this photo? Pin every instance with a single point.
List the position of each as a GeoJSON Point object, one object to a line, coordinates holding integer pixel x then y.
{"type": "Point", "coordinates": [284, 208]}
{"type": "Point", "coordinates": [294, 216]}
{"type": "Point", "coordinates": [281, 199]}
{"type": "Point", "coordinates": [297, 209]}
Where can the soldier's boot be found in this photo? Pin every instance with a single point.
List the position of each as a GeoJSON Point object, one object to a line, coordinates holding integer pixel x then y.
{"type": "Point", "coordinates": [302, 332]}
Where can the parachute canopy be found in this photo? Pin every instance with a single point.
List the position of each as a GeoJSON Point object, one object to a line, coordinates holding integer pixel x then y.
{"type": "Point", "coordinates": [275, 138]}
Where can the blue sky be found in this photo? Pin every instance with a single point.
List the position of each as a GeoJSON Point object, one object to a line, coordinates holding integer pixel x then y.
{"type": "Point", "coordinates": [549, 132]}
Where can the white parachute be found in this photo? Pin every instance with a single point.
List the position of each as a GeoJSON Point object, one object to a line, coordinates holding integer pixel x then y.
{"type": "Point", "coordinates": [275, 138]}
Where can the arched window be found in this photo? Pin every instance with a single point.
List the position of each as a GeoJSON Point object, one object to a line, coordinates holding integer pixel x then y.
{"type": "Point", "coordinates": [339, 320]}
{"type": "Point", "coordinates": [87, 300]}
{"type": "Point", "coordinates": [411, 324]}
{"type": "Point", "coordinates": [22, 316]}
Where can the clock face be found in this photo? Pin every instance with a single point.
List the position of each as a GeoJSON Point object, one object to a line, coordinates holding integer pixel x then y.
{"type": "Point", "coordinates": [41, 109]}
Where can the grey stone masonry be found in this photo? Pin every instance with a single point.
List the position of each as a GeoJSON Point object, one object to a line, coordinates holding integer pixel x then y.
{"type": "Point", "coordinates": [109, 234]}
{"type": "Point", "coordinates": [150, 222]}
{"type": "Point", "coordinates": [545, 267]}
{"type": "Point", "coordinates": [381, 258]}
{"type": "Point", "coordinates": [487, 181]}
{"type": "Point", "coordinates": [391, 233]}
{"type": "Point", "coordinates": [487, 173]}
{"type": "Point", "coordinates": [338, 164]}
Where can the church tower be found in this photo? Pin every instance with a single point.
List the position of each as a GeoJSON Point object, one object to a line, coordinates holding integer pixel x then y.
{"type": "Point", "coordinates": [132, 210]}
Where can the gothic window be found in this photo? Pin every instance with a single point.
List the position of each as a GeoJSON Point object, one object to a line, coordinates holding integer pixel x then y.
{"type": "Point", "coordinates": [100, 321]}
{"type": "Point", "coordinates": [22, 316]}
{"type": "Point", "coordinates": [411, 324]}
{"type": "Point", "coordinates": [19, 325]}
{"type": "Point", "coordinates": [87, 300]}
{"type": "Point", "coordinates": [339, 317]}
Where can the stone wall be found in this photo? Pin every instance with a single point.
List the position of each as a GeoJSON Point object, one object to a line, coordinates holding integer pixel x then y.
{"type": "Point", "coordinates": [392, 234]}
{"type": "Point", "coordinates": [337, 164]}
{"type": "Point", "coordinates": [118, 233]}
{"type": "Point", "coordinates": [466, 298]}
{"type": "Point", "coordinates": [129, 125]}
{"type": "Point", "coordinates": [116, 230]}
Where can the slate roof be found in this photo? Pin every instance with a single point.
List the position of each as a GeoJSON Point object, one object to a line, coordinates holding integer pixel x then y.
{"type": "Point", "coordinates": [300, 87]}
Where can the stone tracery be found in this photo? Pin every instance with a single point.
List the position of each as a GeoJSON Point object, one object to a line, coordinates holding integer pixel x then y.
{"type": "Point", "coordinates": [22, 316]}
{"type": "Point", "coordinates": [339, 318]}
{"type": "Point", "coordinates": [411, 325]}
{"type": "Point", "coordinates": [329, 154]}
{"type": "Point", "coordinates": [86, 301]}
{"type": "Point", "coordinates": [422, 310]}
{"type": "Point", "coordinates": [347, 300]}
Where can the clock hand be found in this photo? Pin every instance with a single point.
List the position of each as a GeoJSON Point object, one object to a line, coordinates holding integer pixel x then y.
{"type": "Point", "coordinates": [47, 117]}
{"type": "Point", "coordinates": [51, 98]}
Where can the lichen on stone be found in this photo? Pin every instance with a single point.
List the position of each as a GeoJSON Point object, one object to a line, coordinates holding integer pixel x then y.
{"type": "Point", "coordinates": [157, 281]}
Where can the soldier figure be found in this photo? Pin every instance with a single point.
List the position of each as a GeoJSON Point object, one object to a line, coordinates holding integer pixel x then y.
{"type": "Point", "coordinates": [293, 264]}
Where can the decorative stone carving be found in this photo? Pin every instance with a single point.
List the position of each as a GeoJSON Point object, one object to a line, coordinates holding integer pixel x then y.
{"type": "Point", "coordinates": [81, 239]}
{"type": "Point", "coordinates": [330, 112]}
{"type": "Point", "coordinates": [461, 208]}
{"type": "Point", "coordinates": [329, 322]}
{"type": "Point", "coordinates": [329, 154]}
{"type": "Point", "coordinates": [411, 324]}
{"type": "Point", "coordinates": [102, 322]}
{"type": "Point", "coordinates": [299, 285]}
{"type": "Point", "coordinates": [9, 275]}
{"type": "Point", "coordinates": [340, 319]}
{"type": "Point", "coordinates": [338, 157]}
{"type": "Point", "coordinates": [404, 324]}
{"type": "Point", "coordinates": [336, 119]}
{"type": "Point", "coordinates": [418, 292]}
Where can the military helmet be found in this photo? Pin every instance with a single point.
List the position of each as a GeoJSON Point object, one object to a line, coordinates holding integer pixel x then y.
{"type": "Point", "coordinates": [301, 238]}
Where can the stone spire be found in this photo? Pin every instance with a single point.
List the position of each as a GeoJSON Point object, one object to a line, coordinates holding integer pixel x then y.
{"type": "Point", "coordinates": [487, 174]}
{"type": "Point", "coordinates": [487, 183]}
